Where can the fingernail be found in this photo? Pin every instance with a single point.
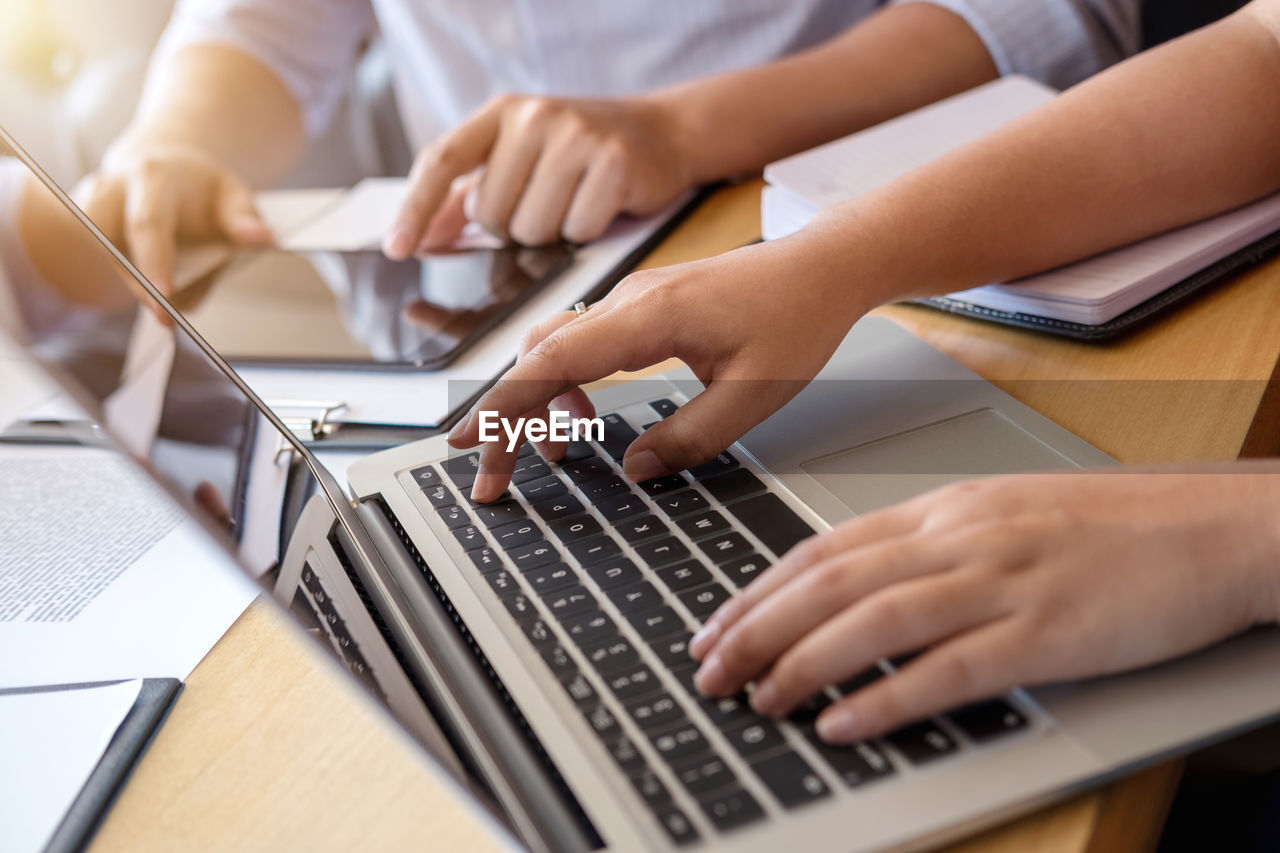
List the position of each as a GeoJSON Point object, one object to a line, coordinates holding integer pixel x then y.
{"type": "Point", "coordinates": [764, 698]}
{"type": "Point", "coordinates": [644, 465]}
{"type": "Point", "coordinates": [398, 245]}
{"type": "Point", "coordinates": [704, 640]}
{"type": "Point", "coordinates": [837, 725]}
{"type": "Point", "coordinates": [486, 487]}
{"type": "Point", "coordinates": [461, 427]}
{"type": "Point", "coordinates": [710, 678]}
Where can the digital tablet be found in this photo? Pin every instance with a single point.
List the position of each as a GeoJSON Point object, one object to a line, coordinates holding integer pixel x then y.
{"type": "Point", "coordinates": [360, 309]}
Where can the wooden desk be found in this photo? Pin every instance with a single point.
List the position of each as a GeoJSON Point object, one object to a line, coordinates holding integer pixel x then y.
{"type": "Point", "coordinates": [267, 748]}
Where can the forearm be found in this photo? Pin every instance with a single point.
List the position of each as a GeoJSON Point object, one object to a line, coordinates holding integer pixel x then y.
{"type": "Point", "coordinates": [1165, 139]}
{"type": "Point", "coordinates": [897, 60]}
{"type": "Point", "coordinates": [226, 103]}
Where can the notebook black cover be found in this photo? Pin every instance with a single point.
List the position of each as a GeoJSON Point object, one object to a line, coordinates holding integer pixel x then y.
{"type": "Point", "coordinates": [1167, 299]}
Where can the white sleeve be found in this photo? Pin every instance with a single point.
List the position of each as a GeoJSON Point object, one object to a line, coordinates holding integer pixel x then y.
{"type": "Point", "coordinates": [311, 45]}
{"type": "Point", "coordinates": [1059, 42]}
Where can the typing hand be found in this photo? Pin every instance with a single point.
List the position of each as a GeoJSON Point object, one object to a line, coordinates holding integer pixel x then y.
{"type": "Point", "coordinates": [553, 168]}
{"type": "Point", "coordinates": [1006, 581]}
{"type": "Point", "coordinates": [741, 322]}
{"type": "Point", "coordinates": [148, 201]}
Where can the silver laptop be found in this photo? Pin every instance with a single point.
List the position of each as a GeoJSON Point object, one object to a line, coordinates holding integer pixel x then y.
{"type": "Point", "coordinates": [537, 646]}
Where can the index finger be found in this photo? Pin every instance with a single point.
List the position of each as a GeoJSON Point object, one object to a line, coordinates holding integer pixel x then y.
{"type": "Point", "coordinates": [433, 173]}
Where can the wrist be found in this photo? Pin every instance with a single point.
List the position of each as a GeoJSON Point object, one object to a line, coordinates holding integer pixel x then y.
{"type": "Point", "coordinates": [684, 121]}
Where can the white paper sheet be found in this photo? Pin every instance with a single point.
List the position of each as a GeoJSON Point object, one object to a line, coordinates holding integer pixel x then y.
{"type": "Point", "coordinates": [50, 743]}
{"type": "Point", "coordinates": [84, 598]}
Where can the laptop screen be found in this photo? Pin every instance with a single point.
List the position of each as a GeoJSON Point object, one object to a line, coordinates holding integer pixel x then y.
{"type": "Point", "coordinates": [79, 311]}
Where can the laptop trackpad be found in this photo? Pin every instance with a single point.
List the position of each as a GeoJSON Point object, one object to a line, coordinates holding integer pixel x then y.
{"type": "Point", "coordinates": [888, 470]}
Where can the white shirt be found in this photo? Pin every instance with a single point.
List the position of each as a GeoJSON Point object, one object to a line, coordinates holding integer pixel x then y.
{"type": "Point", "coordinates": [449, 56]}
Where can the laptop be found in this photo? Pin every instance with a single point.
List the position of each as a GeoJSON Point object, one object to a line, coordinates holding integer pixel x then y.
{"type": "Point", "coordinates": [537, 647]}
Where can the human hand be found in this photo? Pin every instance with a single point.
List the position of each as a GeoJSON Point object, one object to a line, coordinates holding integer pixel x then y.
{"type": "Point", "coordinates": [149, 199]}
{"type": "Point", "coordinates": [1006, 581]}
{"type": "Point", "coordinates": [741, 321]}
{"type": "Point", "coordinates": [553, 167]}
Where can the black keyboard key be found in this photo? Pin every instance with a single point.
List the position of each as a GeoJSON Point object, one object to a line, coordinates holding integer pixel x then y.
{"type": "Point", "coordinates": [732, 809]}
{"type": "Point", "coordinates": [561, 507]}
{"type": "Point", "coordinates": [550, 578]}
{"type": "Point", "coordinates": [725, 547]}
{"type": "Point", "coordinates": [664, 407]}
{"type": "Point", "coordinates": [454, 516]}
{"type": "Point", "coordinates": [575, 528]}
{"type": "Point", "coordinates": [677, 825]}
{"type": "Point", "coordinates": [984, 721]}
{"type": "Point", "coordinates": [723, 462]}
{"type": "Point", "coordinates": [543, 488]}
{"type": "Point", "coordinates": [738, 483]}
{"type": "Point", "coordinates": [772, 521]}
{"type": "Point", "coordinates": [626, 755]}
{"type": "Point", "coordinates": [633, 683]}
{"type": "Point", "coordinates": [470, 537]}
{"type": "Point", "coordinates": [590, 627]}
{"type": "Point", "coordinates": [791, 779]}
{"type": "Point", "coordinates": [462, 469]}
{"type": "Point", "coordinates": [681, 503]}
{"type": "Point", "coordinates": [636, 597]}
{"type": "Point", "coordinates": [681, 744]}
{"type": "Point", "coordinates": [674, 651]}
{"type": "Point", "coordinates": [426, 477]}
{"type": "Point", "coordinates": [438, 496]}
{"type": "Point", "coordinates": [515, 534]}
{"type": "Point", "coordinates": [613, 573]}
{"type": "Point", "coordinates": [602, 721]}
{"type": "Point", "coordinates": [855, 765]}
{"type": "Point", "coordinates": [685, 676]}
{"type": "Point", "coordinates": [533, 555]}
{"type": "Point", "coordinates": [684, 575]}
{"type": "Point", "coordinates": [610, 655]}
{"type": "Point", "coordinates": [560, 661]}
{"type": "Point", "coordinates": [662, 551]}
{"type": "Point", "coordinates": [594, 550]}
{"type": "Point", "coordinates": [705, 775]}
{"type": "Point", "coordinates": [526, 449]}
{"type": "Point", "coordinates": [704, 524]}
{"type": "Point", "coordinates": [576, 451]}
{"type": "Point", "coordinates": [755, 737]}
{"type": "Point", "coordinates": [650, 787]}
{"type": "Point", "coordinates": [618, 435]}
{"type": "Point", "coordinates": [653, 624]}
{"type": "Point", "coordinates": [807, 713]}
{"type": "Point", "coordinates": [539, 633]}
{"type": "Point", "coordinates": [655, 712]}
{"type": "Point", "coordinates": [650, 425]}
{"type": "Point", "coordinates": [855, 683]}
{"type": "Point", "coordinates": [604, 488]}
{"type": "Point", "coordinates": [729, 711]}
{"type": "Point", "coordinates": [529, 468]}
{"type": "Point", "coordinates": [499, 512]}
{"type": "Point", "coordinates": [744, 570]}
{"type": "Point", "coordinates": [504, 583]}
{"type": "Point", "coordinates": [466, 498]}
{"type": "Point", "coordinates": [663, 485]}
{"type": "Point", "coordinates": [581, 691]}
{"type": "Point", "coordinates": [922, 742]}
{"type": "Point", "coordinates": [486, 559]}
{"type": "Point", "coordinates": [621, 506]}
{"type": "Point", "coordinates": [587, 470]}
{"type": "Point", "coordinates": [522, 607]}
{"type": "Point", "coordinates": [570, 602]}
{"type": "Point", "coordinates": [702, 601]}
{"type": "Point", "coordinates": [641, 527]}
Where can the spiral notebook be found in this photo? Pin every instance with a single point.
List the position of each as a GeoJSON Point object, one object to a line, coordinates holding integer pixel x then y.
{"type": "Point", "coordinates": [1095, 298]}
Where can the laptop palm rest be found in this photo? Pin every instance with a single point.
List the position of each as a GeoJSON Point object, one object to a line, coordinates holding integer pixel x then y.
{"type": "Point", "coordinates": [888, 470]}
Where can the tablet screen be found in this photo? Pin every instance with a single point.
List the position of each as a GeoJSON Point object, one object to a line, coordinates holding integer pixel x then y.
{"type": "Point", "coordinates": [330, 309]}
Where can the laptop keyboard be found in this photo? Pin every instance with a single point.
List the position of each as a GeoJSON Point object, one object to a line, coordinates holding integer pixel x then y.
{"type": "Point", "coordinates": [625, 574]}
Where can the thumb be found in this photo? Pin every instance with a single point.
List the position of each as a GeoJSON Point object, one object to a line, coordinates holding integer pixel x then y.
{"type": "Point", "coordinates": [238, 217]}
{"type": "Point", "coordinates": [706, 425]}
